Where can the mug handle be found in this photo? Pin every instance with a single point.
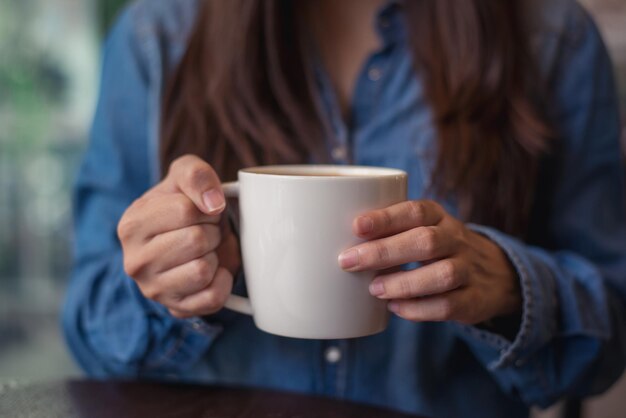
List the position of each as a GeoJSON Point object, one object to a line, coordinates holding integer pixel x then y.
{"type": "Point", "coordinates": [234, 302]}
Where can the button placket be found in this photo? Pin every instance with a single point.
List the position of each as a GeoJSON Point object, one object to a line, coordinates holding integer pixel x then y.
{"type": "Point", "coordinates": [374, 73]}
{"type": "Point", "coordinates": [340, 153]}
{"type": "Point", "coordinates": [341, 380]}
{"type": "Point", "coordinates": [335, 367]}
{"type": "Point", "coordinates": [332, 355]}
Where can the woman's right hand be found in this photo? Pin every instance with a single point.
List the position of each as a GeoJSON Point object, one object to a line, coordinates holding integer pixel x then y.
{"type": "Point", "coordinates": [175, 245]}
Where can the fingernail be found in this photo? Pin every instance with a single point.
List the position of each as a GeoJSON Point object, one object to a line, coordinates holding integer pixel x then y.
{"type": "Point", "coordinates": [365, 224]}
{"type": "Point", "coordinates": [214, 200]}
{"type": "Point", "coordinates": [377, 288]}
{"type": "Point", "coordinates": [349, 259]}
{"type": "Point", "coordinates": [393, 307]}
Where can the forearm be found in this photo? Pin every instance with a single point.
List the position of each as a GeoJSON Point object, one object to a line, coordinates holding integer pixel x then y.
{"type": "Point", "coordinates": [572, 334]}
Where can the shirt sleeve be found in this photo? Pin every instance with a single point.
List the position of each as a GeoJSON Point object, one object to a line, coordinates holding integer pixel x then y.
{"type": "Point", "coordinates": [572, 337]}
{"type": "Point", "coordinates": [111, 329]}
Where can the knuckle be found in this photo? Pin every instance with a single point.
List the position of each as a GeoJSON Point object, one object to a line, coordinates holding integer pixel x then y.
{"type": "Point", "coordinates": [140, 203]}
{"type": "Point", "coordinates": [449, 274]}
{"type": "Point", "coordinates": [129, 267]}
{"type": "Point", "coordinates": [151, 292]}
{"type": "Point", "coordinates": [213, 301]}
{"type": "Point", "coordinates": [428, 240]}
{"type": "Point", "coordinates": [211, 236]}
{"type": "Point", "coordinates": [179, 314]}
{"type": "Point", "coordinates": [386, 219]}
{"type": "Point", "coordinates": [196, 173]}
{"type": "Point", "coordinates": [179, 163]}
{"type": "Point", "coordinates": [432, 204]}
{"type": "Point", "coordinates": [201, 270]}
{"type": "Point", "coordinates": [204, 268]}
{"type": "Point", "coordinates": [175, 296]}
{"type": "Point", "coordinates": [381, 252]}
{"type": "Point", "coordinates": [127, 227]}
{"type": "Point", "coordinates": [417, 211]}
{"type": "Point", "coordinates": [406, 287]}
{"type": "Point", "coordinates": [196, 237]}
{"type": "Point", "coordinates": [134, 266]}
{"type": "Point", "coordinates": [175, 164]}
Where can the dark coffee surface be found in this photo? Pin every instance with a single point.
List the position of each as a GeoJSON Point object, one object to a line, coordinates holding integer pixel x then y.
{"type": "Point", "coordinates": [307, 174]}
{"type": "Point", "coordinates": [109, 399]}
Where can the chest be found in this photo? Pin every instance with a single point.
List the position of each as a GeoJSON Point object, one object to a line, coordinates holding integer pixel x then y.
{"type": "Point", "coordinates": [390, 122]}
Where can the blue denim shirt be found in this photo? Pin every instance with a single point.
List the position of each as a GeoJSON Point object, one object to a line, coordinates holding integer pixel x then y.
{"type": "Point", "coordinates": [573, 329]}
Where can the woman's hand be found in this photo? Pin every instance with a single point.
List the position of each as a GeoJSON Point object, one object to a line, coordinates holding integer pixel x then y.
{"type": "Point", "coordinates": [176, 246]}
{"type": "Point", "coordinates": [464, 276]}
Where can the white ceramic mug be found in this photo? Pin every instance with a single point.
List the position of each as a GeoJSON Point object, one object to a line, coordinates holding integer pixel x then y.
{"type": "Point", "coordinates": [294, 222]}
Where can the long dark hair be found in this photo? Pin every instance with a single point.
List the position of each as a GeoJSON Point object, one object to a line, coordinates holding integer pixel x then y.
{"type": "Point", "coordinates": [242, 95]}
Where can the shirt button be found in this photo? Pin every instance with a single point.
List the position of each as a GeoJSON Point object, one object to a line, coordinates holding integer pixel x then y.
{"type": "Point", "coordinates": [374, 73]}
{"type": "Point", "coordinates": [332, 355]}
{"type": "Point", "coordinates": [339, 153]}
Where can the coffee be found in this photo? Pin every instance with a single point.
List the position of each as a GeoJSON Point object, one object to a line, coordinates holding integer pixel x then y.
{"type": "Point", "coordinates": [322, 171]}
{"type": "Point", "coordinates": [316, 174]}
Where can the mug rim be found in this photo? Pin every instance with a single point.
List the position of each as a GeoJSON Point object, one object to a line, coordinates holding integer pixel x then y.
{"type": "Point", "coordinates": [351, 171]}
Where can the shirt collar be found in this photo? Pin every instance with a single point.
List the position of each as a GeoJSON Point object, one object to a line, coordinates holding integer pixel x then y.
{"type": "Point", "coordinates": [390, 23]}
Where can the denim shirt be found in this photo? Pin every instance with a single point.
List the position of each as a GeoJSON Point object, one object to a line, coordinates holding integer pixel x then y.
{"type": "Point", "coordinates": [573, 279]}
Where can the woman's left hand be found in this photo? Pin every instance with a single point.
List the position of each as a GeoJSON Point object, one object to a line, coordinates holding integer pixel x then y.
{"type": "Point", "coordinates": [464, 276]}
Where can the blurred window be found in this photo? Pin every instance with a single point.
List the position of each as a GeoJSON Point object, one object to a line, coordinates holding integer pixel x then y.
{"type": "Point", "coordinates": [49, 59]}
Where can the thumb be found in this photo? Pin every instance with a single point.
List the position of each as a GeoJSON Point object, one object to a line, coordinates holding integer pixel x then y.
{"type": "Point", "coordinates": [196, 179]}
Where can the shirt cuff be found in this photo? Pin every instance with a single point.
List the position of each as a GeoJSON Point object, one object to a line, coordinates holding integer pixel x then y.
{"type": "Point", "coordinates": [193, 336]}
{"type": "Point", "coordinates": [188, 342]}
{"type": "Point", "coordinates": [539, 307]}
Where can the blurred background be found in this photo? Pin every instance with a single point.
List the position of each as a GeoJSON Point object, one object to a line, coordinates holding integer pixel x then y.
{"type": "Point", "coordinates": [49, 59]}
{"type": "Point", "coordinates": [49, 62]}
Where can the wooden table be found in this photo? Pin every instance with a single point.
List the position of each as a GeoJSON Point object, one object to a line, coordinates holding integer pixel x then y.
{"type": "Point", "coordinates": [111, 399]}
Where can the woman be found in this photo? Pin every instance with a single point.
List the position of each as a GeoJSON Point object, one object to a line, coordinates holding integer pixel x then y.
{"type": "Point", "coordinates": [504, 113]}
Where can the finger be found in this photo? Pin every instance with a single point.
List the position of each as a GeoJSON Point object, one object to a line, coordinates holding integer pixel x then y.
{"type": "Point", "coordinates": [175, 248]}
{"type": "Point", "coordinates": [157, 214]}
{"type": "Point", "coordinates": [418, 244]}
{"type": "Point", "coordinates": [229, 253]}
{"type": "Point", "coordinates": [179, 314]}
{"type": "Point", "coordinates": [210, 299]}
{"type": "Point", "coordinates": [174, 285]}
{"type": "Point", "coordinates": [199, 182]}
{"type": "Point", "coordinates": [439, 277]}
{"type": "Point", "coordinates": [445, 307]}
{"type": "Point", "coordinates": [398, 218]}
